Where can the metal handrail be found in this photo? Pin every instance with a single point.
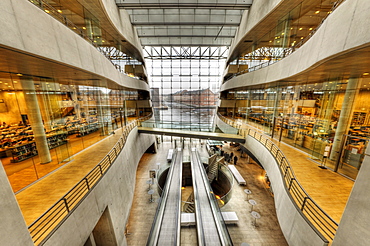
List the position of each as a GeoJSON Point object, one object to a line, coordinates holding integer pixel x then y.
{"type": "Point", "coordinates": [49, 221]}
{"type": "Point", "coordinates": [315, 215]}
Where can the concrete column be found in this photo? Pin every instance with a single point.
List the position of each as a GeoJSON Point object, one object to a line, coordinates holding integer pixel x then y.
{"type": "Point", "coordinates": [345, 116]}
{"type": "Point", "coordinates": [34, 116]}
{"type": "Point", "coordinates": [328, 104]}
{"type": "Point", "coordinates": [355, 222]}
{"type": "Point", "coordinates": [13, 228]}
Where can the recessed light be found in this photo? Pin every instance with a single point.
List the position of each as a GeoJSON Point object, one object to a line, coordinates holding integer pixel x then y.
{"type": "Point", "coordinates": [310, 28]}
{"type": "Point", "coordinates": [47, 11]}
{"type": "Point", "coordinates": [59, 11]}
{"type": "Point", "coordinates": [300, 28]}
{"type": "Point", "coordinates": [365, 74]}
{"type": "Point", "coordinates": [318, 11]}
{"type": "Point", "coordinates": [84, 28]}
{"type": "Point", "coordinates": [19, 74]}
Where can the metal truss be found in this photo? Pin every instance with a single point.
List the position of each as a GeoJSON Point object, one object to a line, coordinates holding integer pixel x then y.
{"type": "Point", "coordinates": [191, 53]}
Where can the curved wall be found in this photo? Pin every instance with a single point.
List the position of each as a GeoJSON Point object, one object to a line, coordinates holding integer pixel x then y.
{"type": "Point", "coordinates": [251, 17]}
{"type": "Point", "coordinates": [115, 191]}
{"type": "Point", "coordinates": [27, 29]}
{"type": "Point", "coordinates": [294, 226]}
{"type": "Point", "coordinates": [343, 31]}
{"type": "Point", "coordinates": [121, 21]}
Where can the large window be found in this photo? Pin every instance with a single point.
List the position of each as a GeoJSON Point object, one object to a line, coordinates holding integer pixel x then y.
{"type": "Point", "coordinates": [185, 85]}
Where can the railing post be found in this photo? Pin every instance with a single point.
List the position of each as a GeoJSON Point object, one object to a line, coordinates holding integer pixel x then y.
{"type": "Point", "coordinates": [66, 204]}
{"type": "Point", "coordinates": [87, 183]}
{"type": "Point", "coordinates": [101, 170]}
{"type": "Point", "coordinates": [286, 171]}
{"type": "Point", "coordinates": [266, 141]}
{"type": "Point", "coordinates": [304, 203]}
{"type": "Point", "coordinates": [110, 161]}
{"type": "Point", "coordinates": [290, 183]}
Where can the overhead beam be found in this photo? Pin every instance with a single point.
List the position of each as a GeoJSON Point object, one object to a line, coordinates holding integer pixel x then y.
{"type": "Point", "coordinates": [193, 134]}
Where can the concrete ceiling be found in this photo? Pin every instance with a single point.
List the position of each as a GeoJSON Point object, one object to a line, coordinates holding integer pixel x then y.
{"type": "Point", "coordinates": [190, 23]}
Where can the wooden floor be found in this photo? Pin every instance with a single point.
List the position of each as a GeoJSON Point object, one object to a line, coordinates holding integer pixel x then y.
{"type": "Point", "coordinates": [327, 188]}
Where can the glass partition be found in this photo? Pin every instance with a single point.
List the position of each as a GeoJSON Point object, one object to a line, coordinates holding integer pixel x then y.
{"type": "Point", "coordinates": [73, 117]}
{"type": "Point", "coordinates": [308, 116]}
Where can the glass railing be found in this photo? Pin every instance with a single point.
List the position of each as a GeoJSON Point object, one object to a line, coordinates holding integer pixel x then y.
{"type": "Point", "coordinates": [45, 225]}
{"type": "Point", "coordinates": [316, 216]}
{"type": "Point", "coordinates": [227, 197]}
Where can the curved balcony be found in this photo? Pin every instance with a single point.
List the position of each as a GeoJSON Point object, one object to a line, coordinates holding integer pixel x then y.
{"type": "Point", "coordinates": [336, 49]}
{"type": "Point", "coordinates": [300, 218]}
{"type": "Point", "coordinates": [49, 222]}
{"type": "Point", "coordinates": [53, 50]}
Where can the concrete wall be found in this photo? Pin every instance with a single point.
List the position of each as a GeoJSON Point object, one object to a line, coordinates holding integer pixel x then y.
{"type": "Point", "coordinates": [225, 128]}
{"type": "Point", "coordinates": [115, 192]}
{"type": "Point", "coordinates": [342, 31]}
{"type": "Point", "coordinates": [43, 36]}
{"type": "Point", "coordinates": [121, 20]}
{"type": "Point", "coordinates": [293, 225]}
{"type": "Point", "coordinates": [13, 228]}
{"type": "Point", "coordinates": [355, 223]}
{"type": "Point", "coordinates": [257, 12]}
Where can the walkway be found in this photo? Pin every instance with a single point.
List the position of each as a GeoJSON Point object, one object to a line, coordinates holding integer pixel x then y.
{"type": "Point", "coordinates": [193, 134]}
{"type": "Point", "coordinates": [40, 196]}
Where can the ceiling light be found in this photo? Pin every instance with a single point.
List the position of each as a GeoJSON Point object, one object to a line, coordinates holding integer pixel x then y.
{"type": "Point", "coordinates": [301, 37]}
{"type": "Point", "coordinates": [300, 28]}
{"type": "Point", "coordinates": [5, 83]}
{"type": "Point", "coordinates": [59, 11]}
{"type": "Point", "coordinates": [365, 74]}
{"type": "Point", "coordinates": [318, 11]}
{"type": "Point", "coordinates": [47, 11]}
{"type": "Point", "coordinates": [310, 28]}
{"type": "Point", "coordinates": [19, 74]}
{"type": "Point", "coordinates": [84, 28]}
{"type": "Point", "coordinates": [15, 82]}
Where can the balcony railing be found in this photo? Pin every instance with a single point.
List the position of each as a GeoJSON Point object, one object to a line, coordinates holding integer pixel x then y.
{"type": "Point", "coordinates": [320, 220]}
{"type": "Point", "coordinates": [49, 221]}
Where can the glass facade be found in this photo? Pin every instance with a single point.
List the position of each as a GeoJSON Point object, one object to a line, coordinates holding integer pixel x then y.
{"type": "Point", "coordinates": [311, 117]}
{"type": "Point", "coordinates": [290, 32]}
{"type": "Point", "coordinates": [185, 84]}
{"type": "Point", "coordinates": [71, 117]}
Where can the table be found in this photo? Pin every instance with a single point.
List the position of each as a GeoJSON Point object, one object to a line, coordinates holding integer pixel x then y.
{"type": "Point", "coordinates": [252, 202]}
{"type": "Point", "coordinates": [256, 216]}
{"type": "Point", "coordinates": [248, 192]}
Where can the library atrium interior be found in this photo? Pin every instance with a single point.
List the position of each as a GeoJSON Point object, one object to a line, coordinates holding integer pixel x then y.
{"type": "Point", "coordinates": [108, 106]}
